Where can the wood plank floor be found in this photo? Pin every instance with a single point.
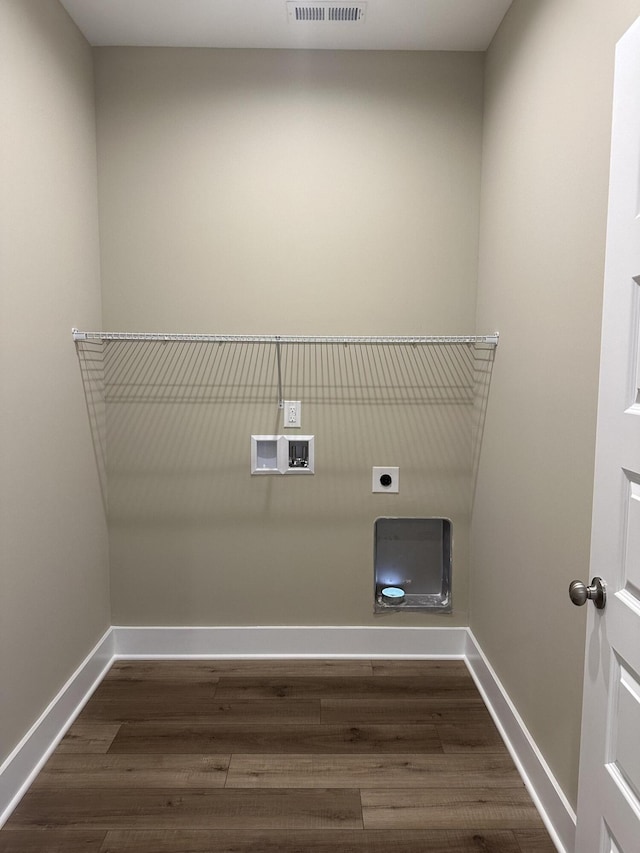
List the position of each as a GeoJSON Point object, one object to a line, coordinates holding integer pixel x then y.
{"type": "Point", "coordinates": [280, 757]}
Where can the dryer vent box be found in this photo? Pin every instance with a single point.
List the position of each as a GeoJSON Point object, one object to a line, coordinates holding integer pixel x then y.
{"type": "Point", "coordinates": [412, 556]}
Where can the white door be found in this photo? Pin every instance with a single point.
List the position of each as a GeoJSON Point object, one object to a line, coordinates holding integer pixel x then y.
{"type": "Point", "coordinates": [609, 790]}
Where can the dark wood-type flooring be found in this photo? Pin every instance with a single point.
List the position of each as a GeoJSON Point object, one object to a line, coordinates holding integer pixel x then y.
{"type": "Point", "coordinates": [280, 757]}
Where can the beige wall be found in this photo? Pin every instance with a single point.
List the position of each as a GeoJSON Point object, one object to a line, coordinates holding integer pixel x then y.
{"type": "Point", "coordinates": [308, 192]}
{"type": "Point", "coordinates": [285, 192]}
{"type": "Point", "coordinates": [54, 603]}
{"type": "Point", "coordinates": [543, 215]}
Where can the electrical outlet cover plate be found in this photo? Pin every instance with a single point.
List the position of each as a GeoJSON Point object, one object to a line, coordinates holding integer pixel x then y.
{"type": "Point", "coordinates": [292, 412]}
{"type": "Point", "coordinates": [380, 476]}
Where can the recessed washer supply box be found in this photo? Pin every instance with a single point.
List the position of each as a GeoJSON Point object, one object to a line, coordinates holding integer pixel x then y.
{"type": "Point", "coordinates": [282, 454]}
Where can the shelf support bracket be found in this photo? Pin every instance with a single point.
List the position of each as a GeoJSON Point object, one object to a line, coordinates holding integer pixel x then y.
{"type": "Point", "coordinates": [278, 359]}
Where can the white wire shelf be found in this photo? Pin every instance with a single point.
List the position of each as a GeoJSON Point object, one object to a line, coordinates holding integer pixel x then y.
{"type": "Point", "coordinates": [486, 340]}
{"type": "Point", "coordinates": [125, 374]}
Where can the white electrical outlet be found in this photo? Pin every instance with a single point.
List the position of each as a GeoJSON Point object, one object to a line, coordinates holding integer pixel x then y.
{"type": "Point", "coordinates": [292, 419]}
{"type": "Point", "coordinates": [386, 480]}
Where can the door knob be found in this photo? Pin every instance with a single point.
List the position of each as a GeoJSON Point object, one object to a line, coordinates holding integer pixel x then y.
{"type": "Point", "coordinates": [580, 592]}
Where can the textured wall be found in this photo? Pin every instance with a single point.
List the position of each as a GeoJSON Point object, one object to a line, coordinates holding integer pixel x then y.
{"type": "Point", "coordinates": [54, 604]}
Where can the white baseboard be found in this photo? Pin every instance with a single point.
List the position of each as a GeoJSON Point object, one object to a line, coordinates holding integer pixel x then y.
{"type": "Point", "coordinates": [554, 808]}
{"type": "Point", "coordinates": [290, 642]}
{"type": "Point", "coordinates": [22, 766]}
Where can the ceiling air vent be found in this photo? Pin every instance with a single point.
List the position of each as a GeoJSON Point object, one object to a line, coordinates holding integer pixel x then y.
{"type": "Point", "coordinates": [326, 12]}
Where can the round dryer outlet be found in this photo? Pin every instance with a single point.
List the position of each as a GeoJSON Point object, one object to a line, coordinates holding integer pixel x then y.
{"type": "Point", "coordinates": [386, 480]}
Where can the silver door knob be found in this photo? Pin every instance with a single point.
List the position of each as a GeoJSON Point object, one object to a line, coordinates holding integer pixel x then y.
{"type": "Point", "coordinates": [580, 592]}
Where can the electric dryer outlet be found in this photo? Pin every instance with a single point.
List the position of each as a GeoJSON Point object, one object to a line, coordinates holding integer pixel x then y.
{"type": "Point", "coordinates": [386, 480]}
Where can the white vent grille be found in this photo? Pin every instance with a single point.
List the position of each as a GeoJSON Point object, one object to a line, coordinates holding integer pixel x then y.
{"type": "Point", "coordinates": [326, 12]}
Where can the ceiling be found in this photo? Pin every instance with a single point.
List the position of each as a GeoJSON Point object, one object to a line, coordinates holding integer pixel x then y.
{"type": "Point", "coordinates": [384, 24]}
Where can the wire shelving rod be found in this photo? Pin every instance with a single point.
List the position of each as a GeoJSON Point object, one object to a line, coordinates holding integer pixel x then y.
{"type": "Point", "coordinates": [488, 340]}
